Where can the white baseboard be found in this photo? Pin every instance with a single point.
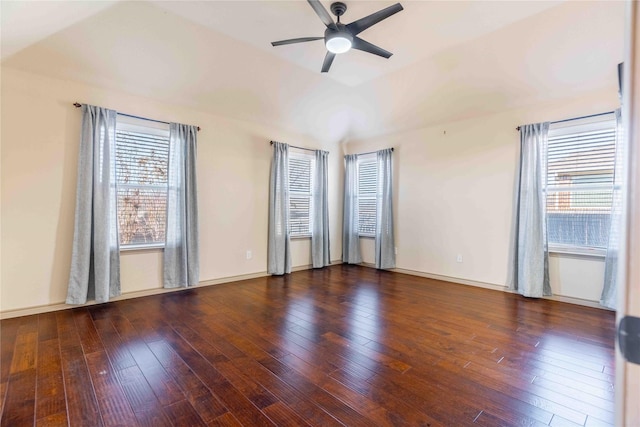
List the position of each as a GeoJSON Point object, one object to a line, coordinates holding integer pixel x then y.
{"type": "Point", "coordinates": [457, 280]}
{"type": "Point", "coordinates": [158, 291]}
{"type": "Point", "coordinates": [492, 286]}
{"type": "Point", "coordinates": [8, 314]}
{"type": "Point", "coordinates": [124, 296]}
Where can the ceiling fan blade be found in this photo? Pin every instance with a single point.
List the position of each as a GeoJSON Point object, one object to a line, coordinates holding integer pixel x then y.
{"type": "Point", "coordinates": [298, 40]}
{"type": "Point", "coordinates": [356, 27]}
{"type": "Point", "coordinates": [328, 60]}
{"type": "Point", "coordinates": [365, 46]}
{"type": "Point", "coordinates": [322, 13]}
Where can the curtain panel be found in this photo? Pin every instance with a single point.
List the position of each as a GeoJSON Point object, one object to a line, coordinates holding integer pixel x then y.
{"type": "Point", "coordinates": [385, 243]}
{"type": "Point", "coordinates": [95, 259]}
{"type": "Point", "coordinates": [320, 204]}
{"type": "Point", "coordinates": [181, 265]}
{"type": "Point", "coordinates": [530, 256]}
{"type": "Point", "coordinates": [350, 238]}
{"type": "Point", "coordinates": [609, 291]}
{"type": "Point", "coordinates": [279, 250]}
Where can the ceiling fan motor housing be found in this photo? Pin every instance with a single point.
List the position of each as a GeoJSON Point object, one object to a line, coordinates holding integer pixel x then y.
{"type": "Point", "coordinates": [338, 8]}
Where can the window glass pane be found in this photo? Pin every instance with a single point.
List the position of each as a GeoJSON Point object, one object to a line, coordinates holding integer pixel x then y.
{"type": "Point", "coordinates": [299, 215]}
{"type": "Point", "coordinates": [141, 173]}
{"type": "Point", "coordinates": [141, 215]}
{"type": "Point", "coordinates": [580, 172]}
{"type": "Point", "coordinates": [300, 187]}
{"type": "Point", "coordinates": [367, 216]}
{"type": "Point", "coordinates": [367, 193]}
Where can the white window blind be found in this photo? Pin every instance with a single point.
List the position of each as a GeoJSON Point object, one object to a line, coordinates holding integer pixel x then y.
{"type": "Point", "coordinates": [300, 188]}
{"type": "Point", "coordinates": [580, 172]}
{"type": "Point", "coordinates": [142, 155]}
{"type": "Point", "coordinates": [367, 195]}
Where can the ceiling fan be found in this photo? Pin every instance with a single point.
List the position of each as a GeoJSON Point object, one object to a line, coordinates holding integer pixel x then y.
{"type": "Point", "coordinates": [338, 37]}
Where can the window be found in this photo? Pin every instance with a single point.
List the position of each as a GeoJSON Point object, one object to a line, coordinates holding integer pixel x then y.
{"type": "Point", "coordinates": [301, 167]}
{"type": "Point", "coordinates": [580, 172]}
{"type": "Point", "coordinates": [142, 157]}
{"type": "Point", "coordinates": [367, 195]}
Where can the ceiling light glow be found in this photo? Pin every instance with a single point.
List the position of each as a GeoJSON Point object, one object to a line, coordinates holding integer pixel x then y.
{"type": "Point", "coordinates": [339, 42]}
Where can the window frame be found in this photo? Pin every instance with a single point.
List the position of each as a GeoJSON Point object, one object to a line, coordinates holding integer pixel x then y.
{"type": "Point", "coordinates": [366, 159]}
{"type": "Point", "coordinates": [563, 128]}
{"type": "Point", "coordinates": [132, 124]}
{"type": "Point", "coordinates": [302, 155]}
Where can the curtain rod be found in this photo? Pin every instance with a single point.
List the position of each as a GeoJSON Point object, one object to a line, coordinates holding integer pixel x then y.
{"type": "Point", "coordinates": [78, 105]}
{"type": "Point", "coordinates": [299, 148]}
{"type": "Point", "coordinates": [370, 152]}
{"type": "Point", "coordinates": [578, 118]}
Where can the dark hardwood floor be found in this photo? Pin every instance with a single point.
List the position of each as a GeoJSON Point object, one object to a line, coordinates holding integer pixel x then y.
{"type": "Point", "coordinates": [343, 345]}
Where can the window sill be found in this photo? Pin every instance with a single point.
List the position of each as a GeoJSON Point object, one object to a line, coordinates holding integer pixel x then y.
{"type": "Point", "coordinates": [588, 253]}
{"type": "Point", "coordinates": [141, 248]}
{"type": "Point", "coordinates": [299, 237]}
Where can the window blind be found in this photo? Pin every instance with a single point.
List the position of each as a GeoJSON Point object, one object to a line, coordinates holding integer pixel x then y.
{"type": "Point", "coordinates": [141, 176]}
{"type": "Point", "coordinates": [580, 173]}
{"type": "Point", "coordinates": [367, 196]}
{"type": "Point", "coordinates": [300, 187]}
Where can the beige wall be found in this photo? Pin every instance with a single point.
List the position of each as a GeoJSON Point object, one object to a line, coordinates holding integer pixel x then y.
{"type": "Point", "coordinates": [40, 135]}
{"type": "Point", "coordinates": [454, 192]}
{"type": "Point", "coordinates": [454, 186]}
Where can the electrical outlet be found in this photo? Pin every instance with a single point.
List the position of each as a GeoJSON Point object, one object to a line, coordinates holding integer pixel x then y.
{"type": "Point", "coordinates": [395, 250]}
{"type": "Point", "coordinates": [459, 258]}
{"type": "Point", "coordinates": [249, 255]}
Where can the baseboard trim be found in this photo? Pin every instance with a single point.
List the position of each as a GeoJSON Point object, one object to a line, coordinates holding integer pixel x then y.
{"type": "Point", "coordinates": [450, 279]}
{"type": "Point", "coordinates": [143, 293]}
{"type": "Point", "coordinates": [159, 291]}
{"type": "Point", "coordinates": [127, 295]}
{"type": "Point", "coordinates": [492, 286]}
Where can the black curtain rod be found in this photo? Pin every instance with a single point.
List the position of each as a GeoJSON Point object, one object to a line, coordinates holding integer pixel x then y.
{"type": "Point", "coordinates": [78, 105]}
{"type": "Point", "coordinates": [299, 148]}
{"type": "Point", "coordinates": [578, 118]}
{"type": "Point", "coordinates": [369, 152]}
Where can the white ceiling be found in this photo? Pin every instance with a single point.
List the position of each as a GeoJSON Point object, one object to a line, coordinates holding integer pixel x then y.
{"type": "Point", "coordinates": [452, 59]}
{"type": "Point", "coordinates": [420, 30]}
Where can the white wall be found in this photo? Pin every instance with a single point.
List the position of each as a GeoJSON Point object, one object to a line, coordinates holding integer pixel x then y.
{"type": "Point", "coordinates": [454, 195]}
{"type": "Point", "coordinates": [453, 181]}
{"type": "Point", "coordinates": [40, 136]}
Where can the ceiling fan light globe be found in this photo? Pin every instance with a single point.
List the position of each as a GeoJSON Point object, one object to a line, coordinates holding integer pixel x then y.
{"type": "Point", "coordinates": [339, 42]}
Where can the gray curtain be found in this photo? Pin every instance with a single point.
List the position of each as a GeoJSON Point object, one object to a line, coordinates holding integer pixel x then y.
{"type": "Point", "coordinates": [350, 238]}
{"type": "Point", "coordinates": [320, 205]}
{"type": "Point", "coordinates": [95, 260]}
{"type": "Point", "coordinates": [530, 256]}
{"type": "Point", "coordinates": [385, 244]}
{"type": "Point", "coordinates": [181, 251]}
{"type": "Point", "coordinates": [609, 291]}
{"type": "Point", "coordinates": [279, 251]}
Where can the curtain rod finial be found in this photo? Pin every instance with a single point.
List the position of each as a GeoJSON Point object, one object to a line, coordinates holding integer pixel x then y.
{"type": "Point", "coordinates": [77, 105]}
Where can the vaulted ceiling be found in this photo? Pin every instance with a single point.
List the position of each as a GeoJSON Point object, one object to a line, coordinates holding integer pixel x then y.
{"type": "Point", "coordinates": [452, 59]}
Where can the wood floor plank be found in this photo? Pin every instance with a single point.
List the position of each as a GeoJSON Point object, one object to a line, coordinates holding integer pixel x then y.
{"type": "Point", "coordinates": [226, 420]}
{"type": "Point", "coordinates": [50, 397]}
{"type": "Point", "coordinates": [8, 331]}
{"type": "Point", "coordinates": [344, 345]}
{"type": "Point", "coordinates": [242, 408]}
{"type": "Point", "coordinates": [19, 406]}
{"type": "Point", "coordinates": [82, 405]}
{"type": "Point", "coordinates": [55, 420]}
{"type": "Point", "coordinates": [87, 331]}
{"type": "Point", "coordinates": [183, 414]}
{"type": "Point", "coordinates": [114, 406]}
{"type": "Point", "coordinates": [200, 397]}
{"type": "Point", "coordinates": [143, 401]}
